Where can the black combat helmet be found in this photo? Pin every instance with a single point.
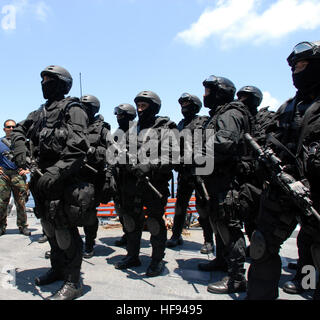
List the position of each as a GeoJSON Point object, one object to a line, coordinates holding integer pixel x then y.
{"type": "Point", "coordinates": [306, 78]}
{"type": "Point", "coordinates": [304, 51]}
{"type": "Point", "coordinates": [194, 100]}
{"type": "Point", "coordinates": [253, 92]}
{"type": "Point", "coordinates": [60, 73]}
{"type": "Point", "coordinates": [91, 103]}
{"type": "Point", "coordinates": [222, 91]}
{"type": "Point", "coordinates": [127, 110]}
{"type": "Point", "coordinates": [150, 97]}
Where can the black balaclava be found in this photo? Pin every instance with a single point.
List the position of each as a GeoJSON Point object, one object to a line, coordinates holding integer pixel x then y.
{"type": "Point", "coordinates": [189, 111]}
{"type": "Point", "coordinates": [91, 114]}
{"type": "Point", "coordinates": [308, 79]}
{"type": "Point", "coordinates": [123, 122]}
{"type": "Point", "coordinates": [52, 89]}
{"type": "Point", "coordinates": [251, 102]}
{"type": "Point", "coordinates": [215, 99]}
{"type": "Point", "coordinates": [147, 116]}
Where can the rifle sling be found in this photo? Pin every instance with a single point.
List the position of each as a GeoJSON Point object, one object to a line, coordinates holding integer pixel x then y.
{"type": "Point", "coordinates": [280, 145]}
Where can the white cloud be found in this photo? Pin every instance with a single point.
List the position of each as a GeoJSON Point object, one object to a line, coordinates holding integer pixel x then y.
{"type": "Point", "coordinates": [41, 10]}
{"type": "Point", "coordinates": [269, 101]}
{"type": "Point", "coordinates": [234, 20]}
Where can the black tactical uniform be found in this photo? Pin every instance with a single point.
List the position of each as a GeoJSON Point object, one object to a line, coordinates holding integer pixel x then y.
{"type": "Point", "coordinates": [57, 130]}
{"type": "Point", "coordinates": [190, 107]}
{"type": "Point", "coordinates": [229, 120]}
{"type": "Point", "coordinates": [126, 113]}
{"type": "Point", "coordinates": [94, 172]}
{"type": "Point", "coordinates": [136, 193]}
{"type": "Point", "coordinates": [250, 182]}
{"type": "Point", "coordinates": [297, 129]}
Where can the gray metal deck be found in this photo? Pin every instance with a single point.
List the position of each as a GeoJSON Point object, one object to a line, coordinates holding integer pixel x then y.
{"type": "Point", "coordinates": [24, 256]}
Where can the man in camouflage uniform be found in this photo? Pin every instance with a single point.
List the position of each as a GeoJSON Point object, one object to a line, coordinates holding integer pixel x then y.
{"type": "Point", "coordinates": [12, 179]}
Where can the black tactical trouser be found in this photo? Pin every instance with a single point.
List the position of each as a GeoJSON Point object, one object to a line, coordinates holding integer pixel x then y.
{"type": "Point", "coordinates": [135, 198]}
{"type": "Point", "coordinates": [304, 243]}
{"type": "Point", "coordinates": [117, 205]}
{"type": "Point", "coordinates": [58, 219]}
{"type": "Point", "coordinates": [249, 197]}
{"type": "Point", "coordinates": [275, 224]}
{"type": "Point", "coordinates": [184, 193]}
{"type": "Point", "coordinates": [226, 225]}
{"type": "Point", "coordinates": [67, 261]}
{"type": "Point", "coordinates": [90, 232]}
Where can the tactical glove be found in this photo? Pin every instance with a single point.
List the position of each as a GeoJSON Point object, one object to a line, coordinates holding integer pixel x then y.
{"type": "Point", "coordinates": [49, 180]}
{"type": "Point", "coordinates": [141, 170]}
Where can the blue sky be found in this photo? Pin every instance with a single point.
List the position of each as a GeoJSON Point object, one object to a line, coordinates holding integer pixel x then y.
{"type": "Point", "coordinates": [123, 47]}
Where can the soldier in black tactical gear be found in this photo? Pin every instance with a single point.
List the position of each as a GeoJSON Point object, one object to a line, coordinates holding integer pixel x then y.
{"type": "Point", "coordinates": [190, 107]}
{"type": "Point", "coordinates": [230, 120]}
{"type": "Point", "coordinates": [295, 133]}
{"type": "Point", "coordinates": [148, 175]}
{"type": "Point", "coordinates": [98, 135]}
{"type": "Point", "coordinates": [57, 136]}
{"type": "Point", "coordinates": [126, 113]}
{"type": "Point", "coordinates": [248, 179]}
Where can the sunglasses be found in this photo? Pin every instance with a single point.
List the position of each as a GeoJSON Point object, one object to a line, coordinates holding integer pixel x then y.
{"type": "Point", "coordinates": [10, 127]}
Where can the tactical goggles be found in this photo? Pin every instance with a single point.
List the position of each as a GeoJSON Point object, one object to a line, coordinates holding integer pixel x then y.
{"type": "Point", "coordinates": [211, 81]}
{"type": "Point", "coordinates": [185, 97]}
{"type": "Point", "coordinates": [119, 112]}
{"type": "Point", "coordinates": [303, 50]}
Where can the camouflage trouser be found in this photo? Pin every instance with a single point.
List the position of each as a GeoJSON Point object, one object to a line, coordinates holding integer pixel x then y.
{"type": "Point", "coordinates": [11, 181]}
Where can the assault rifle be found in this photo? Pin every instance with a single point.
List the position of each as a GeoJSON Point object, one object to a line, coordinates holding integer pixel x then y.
{"type": "Point", "coordinates": [144, 179]}
{"type": "Point", "coordinates": [296, 190]}
{"type": "Point", "coordinates": [201, 187]}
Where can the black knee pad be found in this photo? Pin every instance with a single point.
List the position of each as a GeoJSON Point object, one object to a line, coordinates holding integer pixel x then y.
{"type": "Point", "coordinates": [129, 223]}
{"type": "Point", "coordinates": [258, 246]}
{"type": "Point", "coordinates": [63, 238]}
{"type": "Point", "coordinates": [48, 228]}
{"type": "Point", "coordinates": [153, 226]}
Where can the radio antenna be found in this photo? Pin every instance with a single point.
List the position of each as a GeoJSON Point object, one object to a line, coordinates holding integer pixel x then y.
{"type": "Point", "coordinates": [80, 85]}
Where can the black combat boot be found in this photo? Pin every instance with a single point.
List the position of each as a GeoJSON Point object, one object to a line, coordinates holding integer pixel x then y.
{"type": "Point", "coordinates": [25, 231]}
{"type": "Point", "coordinates": [207, 248]}
{"type": "Point", "coordinates": [47, 254]}
{"type": "Point", "coordinates": [294, 286]}
{"type": "Point", "coordinates": [69, 291]}
{"type": "Point", "coordinates": [155, 268]}
{"type": "Point", "coordinates": [89, 250]}
{"type": "Point", "coordinates": [128, 262]}
{"type": "Point", "coordinates": [48, 278]}
{"type": "Point", "coordinates": [228, 285]}
{"type": "Point", "coordinates": [214, 265]}
{"type": "Point", "coordinates": [43, 239]}
{"type": "Point", "coordinates": [174, 241]}
{"type": "Point", "coordinates": [2, 231]}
